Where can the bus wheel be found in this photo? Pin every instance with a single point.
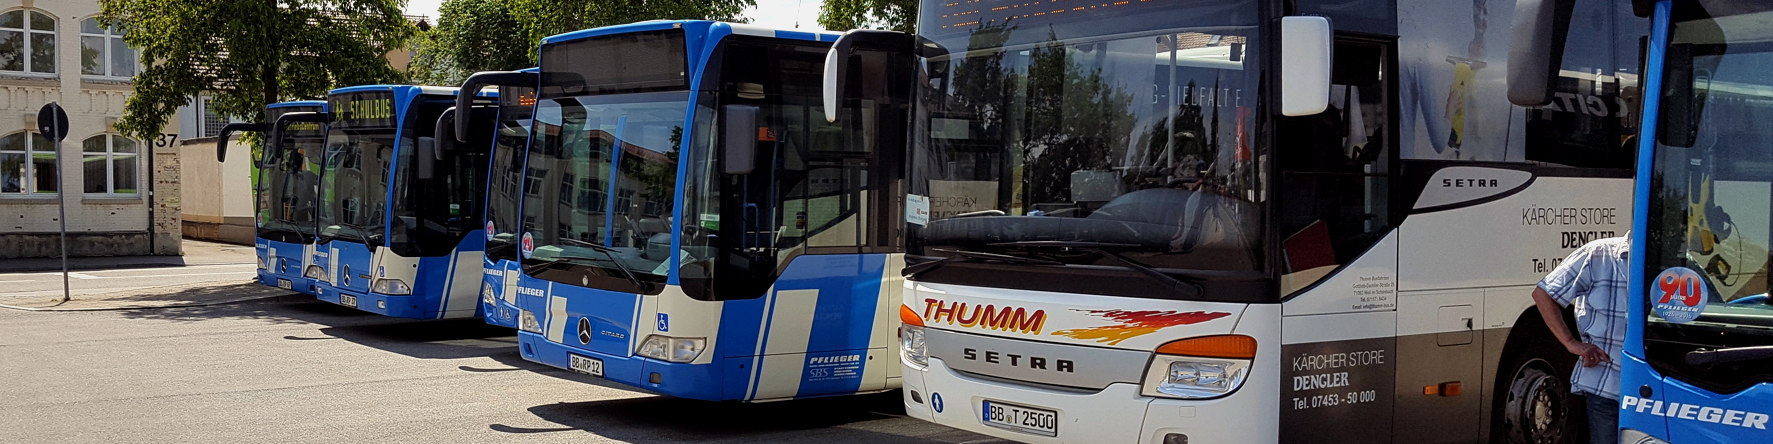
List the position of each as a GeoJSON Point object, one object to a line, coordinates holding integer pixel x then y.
{"type": "Point", "coordinates": [1538, 410]}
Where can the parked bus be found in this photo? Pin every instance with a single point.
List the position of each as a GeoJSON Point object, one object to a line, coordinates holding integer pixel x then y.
{"type": "Point", "coordinates": [400, 220]}
{"type": "Point", "coordinates": [1249, 221]}
{"type": "Point", "coordinates": [1699, 343]}
{"type": "Point", "coordinates": [690, 227]}
{"type": "Point", "coordinates": [284, 176]}
{"type": "Point", "coordinates": [498, 290]}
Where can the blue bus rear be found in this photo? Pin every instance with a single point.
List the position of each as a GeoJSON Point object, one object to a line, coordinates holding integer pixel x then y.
{"type": "Point", "coordinates": [498, 296]}
{"type": "Point", "coordinates": [400, 231]}
{"type": "Point", "coordinates": [1698, 363]}
{"type": "Point", "coordinates": [692, 226]}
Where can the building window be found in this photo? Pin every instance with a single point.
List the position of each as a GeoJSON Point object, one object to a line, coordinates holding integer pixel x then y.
{"type": "Point", "coordinates": [212, 123]}
{"type": "Point", "coordinates": [110, 165]}
{"type": "Point", "coordinates": [27, 165]}
{"type": "Point", "coordinates": [102, 51]}
{"type": "Point", "coordinates": [27, 42]}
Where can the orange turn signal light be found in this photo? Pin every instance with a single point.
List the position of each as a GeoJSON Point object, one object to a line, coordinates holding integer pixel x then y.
{"type": "Point", "coordinates": [1221, 346]}
{"type": "Point", "coordinates": [1444, 389]}
{"type": "Point", "coordinates": [909, 316]}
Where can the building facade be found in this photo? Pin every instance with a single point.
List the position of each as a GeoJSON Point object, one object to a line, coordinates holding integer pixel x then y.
{"type": "Point", "coordinates": [122, 194]}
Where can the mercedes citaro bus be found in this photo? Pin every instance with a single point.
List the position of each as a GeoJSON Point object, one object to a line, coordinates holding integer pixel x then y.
{"type": "Point", "coordinates": [285, 173]}
{"type": "Point", "coordinates": [1174, 221]}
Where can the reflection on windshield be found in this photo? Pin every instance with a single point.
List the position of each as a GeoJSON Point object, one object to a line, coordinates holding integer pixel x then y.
{"type": "Point", "coordinates": [602, 172]}
{"type": "Point", "coordinates": [354, 184]}
{"type": "Point", "coordinates": [1143, 141]}
{"type": "Point", "coordinates": [286, 185]}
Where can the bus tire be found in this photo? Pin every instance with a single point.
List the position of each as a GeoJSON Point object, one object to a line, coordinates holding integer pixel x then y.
{"type": "Point", "coordinates": [1534, 402]}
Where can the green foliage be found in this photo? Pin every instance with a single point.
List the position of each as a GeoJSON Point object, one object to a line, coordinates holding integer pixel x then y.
{"type": "Point", "coordinates": [844, 15]}
{"type": "Point", "coordinates": [471, 36]}
{"type": "Point", "coordinates": [542, 18]}
{"type": "Point", "coordinates": [250, 53]}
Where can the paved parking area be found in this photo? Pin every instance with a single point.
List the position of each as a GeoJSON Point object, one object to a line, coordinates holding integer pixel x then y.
{"type": "Point", "coordinates": [291, 369]}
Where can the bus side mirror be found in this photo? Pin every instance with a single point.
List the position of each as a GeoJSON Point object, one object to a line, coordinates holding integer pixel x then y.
{"type": "Point", "coordinates": [446, 123]}
{"type": "Point", "coordinates": [838, 58]}
{"type": "Point", "coordinates": [1683, 98]}
{"type": "Point", "coordinates": [426, 158]}
{"type": "Point", "coordinates": [738, 143]}
{"type": "Point", "coordinates": [471, 87]}
{"type": "Point", "coordinates": [1536, 50]}
{"type": "Point", "coordinates": [221, 140]}
{"type": "Point", "coordinates": [1305, 65]}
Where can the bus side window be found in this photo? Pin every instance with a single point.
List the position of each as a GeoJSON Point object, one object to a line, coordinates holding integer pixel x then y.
{"type": "Point", "coordinates": [1335, 170]}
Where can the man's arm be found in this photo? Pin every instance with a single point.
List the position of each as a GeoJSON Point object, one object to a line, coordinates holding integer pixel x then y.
{"type": "Point", "coordinates": [1553, 314]}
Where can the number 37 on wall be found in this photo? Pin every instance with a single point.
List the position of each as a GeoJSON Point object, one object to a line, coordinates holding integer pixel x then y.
{"type": "Point", "coordinates": [165, 140]}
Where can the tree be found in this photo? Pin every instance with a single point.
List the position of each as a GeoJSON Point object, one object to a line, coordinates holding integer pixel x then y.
{"type": "Point", "coordinates": [250, 53]}
{"type": "Point", "coordinates": [542, 18]}
{"type": "Point", "coordinates": [471, 36]}
{"type": "Point", "coordinates": [844, 15]}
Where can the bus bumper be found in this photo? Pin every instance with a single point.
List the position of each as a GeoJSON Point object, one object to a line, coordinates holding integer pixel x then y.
{"type": "Point", "coordinates": [296, 283]}
{"type": "Point", "coordinates": [692, 381]}
{"type": "Point", "coordinates": [407, 306]}
{"type": "Point", "coordinates": [1117, 414]}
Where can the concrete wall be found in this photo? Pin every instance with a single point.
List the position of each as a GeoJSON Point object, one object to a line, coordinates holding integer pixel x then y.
{"type": "Point", "coordinates": [217, 196]}
{"type": "Point", "coordinates": [107, 224]}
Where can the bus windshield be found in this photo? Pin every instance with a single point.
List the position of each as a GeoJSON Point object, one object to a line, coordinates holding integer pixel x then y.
{"type": "Point", "coordinates": [600, 179]}
{"type": "Point", "coordinates": [1032, 130]}
{"type": "Point", "coordinates": [354, 184]}
{"type": "Point", "coordinates": [287, 180]}
{"type": "Point", "coordinates": [1707, 255]}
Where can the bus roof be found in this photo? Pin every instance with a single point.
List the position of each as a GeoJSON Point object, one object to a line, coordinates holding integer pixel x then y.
{"type": "Point", "coordinates": [297, 103]}
{"type": "Point", "coordinates": [703, 27]}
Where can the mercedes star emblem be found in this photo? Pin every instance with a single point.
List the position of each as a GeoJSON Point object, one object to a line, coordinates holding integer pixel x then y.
{"type": "Point", "coordinates": [585, 331]}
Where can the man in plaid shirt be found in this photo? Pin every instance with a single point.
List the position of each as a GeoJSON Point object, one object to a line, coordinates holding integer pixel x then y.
{"type": "Point", "coordinates": [1594, 281]}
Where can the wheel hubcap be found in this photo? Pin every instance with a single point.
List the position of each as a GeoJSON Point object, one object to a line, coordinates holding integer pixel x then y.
{"type": "Point", "coordinates": [1536, 411]}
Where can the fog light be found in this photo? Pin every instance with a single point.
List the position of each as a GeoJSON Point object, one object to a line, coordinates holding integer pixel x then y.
{"type": "Point", "coordinates": [1175, 438]}
{"type": "Point", "coordinates": [915, 397]}
{"type": "Point", "coordinates": [656, 378]}
{"type": "Point", "coordinates": [390, 286]}
{"type": "Point", "coordinates": [669, 349]}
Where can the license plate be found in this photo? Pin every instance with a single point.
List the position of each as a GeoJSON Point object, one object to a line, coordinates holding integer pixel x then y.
{"type": "Point", "coordinates": [589, 366]}
{"type": "Point", "coordinates": [348, 300]}
{"type": "Point", "coordinates": [284, 284]}
{"type": "Point", "coordinates": [1022, 419]}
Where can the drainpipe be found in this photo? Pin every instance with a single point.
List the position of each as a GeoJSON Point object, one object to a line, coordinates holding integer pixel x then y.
{"type": "Point", "coordinates": [151, 187]}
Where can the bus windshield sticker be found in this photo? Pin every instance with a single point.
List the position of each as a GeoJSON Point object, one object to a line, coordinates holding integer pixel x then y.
{"type": "Point", "coordinates": [1682, 297]}
{"type": "Point", "coordinates": [529, 245]}
{"type": "Point", "coordinates": [917, 209]}
{"type": "Point", "coordinates": [490, 230]}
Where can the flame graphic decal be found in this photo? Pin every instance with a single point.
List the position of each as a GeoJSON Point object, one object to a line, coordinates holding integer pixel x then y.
{"type": "Point", "coordinates": [1136, 323]}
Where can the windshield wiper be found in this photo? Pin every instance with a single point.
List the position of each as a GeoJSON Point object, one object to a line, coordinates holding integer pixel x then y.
{"type": "Point", "coordinates": [1728, 355]}
{"type": "Point", "coordinates": [1187, 289]}
{"type": "Point", "coordinates": [913, 270]}
{"type": "Point", "coordinates": [361, 235]}
{"type": "Point", "coordinates": [644, 286]}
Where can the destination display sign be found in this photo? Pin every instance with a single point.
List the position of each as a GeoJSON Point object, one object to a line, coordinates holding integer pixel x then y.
{"type": "Point", "coordinates": [361, 110]}
{"type": "Point", "coordinates": [298, 129]}
{"type": "Point", "coordinates": [951, 20]}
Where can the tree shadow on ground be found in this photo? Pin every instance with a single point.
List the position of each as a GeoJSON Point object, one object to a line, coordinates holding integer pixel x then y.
{"type": "Point", "coordinates": [665, 419]}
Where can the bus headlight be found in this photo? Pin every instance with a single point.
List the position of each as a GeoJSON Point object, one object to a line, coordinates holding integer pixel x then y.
{"type": "Point", "coordinates": [666, 348]}
{"type": "Point", "coordinates": [486, 294]}
{"type": "Point", "coordinates": [1199, 368]}
{"type": "Point", "coordinates": [526, 321]}
{"type": "Point", "coordinates": [390, 286]}
{"type": "Point", "coordinates": [316, 272]}
{"type": "Point", "coordinates": [911, 345]}
{"type": "Point", "coordinates": [262, 265]}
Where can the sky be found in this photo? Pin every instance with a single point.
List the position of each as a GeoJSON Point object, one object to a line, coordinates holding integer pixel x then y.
{"type": "Point", "coordinates": [781, 14]}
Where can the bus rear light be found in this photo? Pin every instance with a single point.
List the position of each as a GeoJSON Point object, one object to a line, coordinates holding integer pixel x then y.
{"type": "Point", "coordinates": [1222, 346]}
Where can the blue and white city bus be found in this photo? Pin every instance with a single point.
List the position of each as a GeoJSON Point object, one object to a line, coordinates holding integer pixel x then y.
{"type": "Point", "coordinates": [399, 221]}
{"type": "Point", "coordinates": [498, 295]}
{"type": "Point", "coordinates": [286, 173]}
{"type": "Point", "coordinates": [1698, 357]}
{"type": "Point", "coordinates": [692, 226]}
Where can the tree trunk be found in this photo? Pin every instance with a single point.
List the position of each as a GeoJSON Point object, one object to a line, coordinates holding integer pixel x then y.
{"type": "Point", "coordinates": [268, 72]}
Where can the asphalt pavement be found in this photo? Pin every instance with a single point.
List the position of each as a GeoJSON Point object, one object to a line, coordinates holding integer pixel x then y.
{"type": "Point", "coordinates": [292, 369]}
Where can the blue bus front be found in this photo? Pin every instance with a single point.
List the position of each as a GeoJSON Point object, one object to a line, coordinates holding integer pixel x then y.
{"type": "Point", "coordinates": [692, 226]}
{"type": "Point", "coordinates": [498, 289]}
{"type": "Point", "coordinates": [1698, 364]}
{"type": "Point", "coordinates": [284, 177]}
{"type": "Point", "coordinates": [400, 231]}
